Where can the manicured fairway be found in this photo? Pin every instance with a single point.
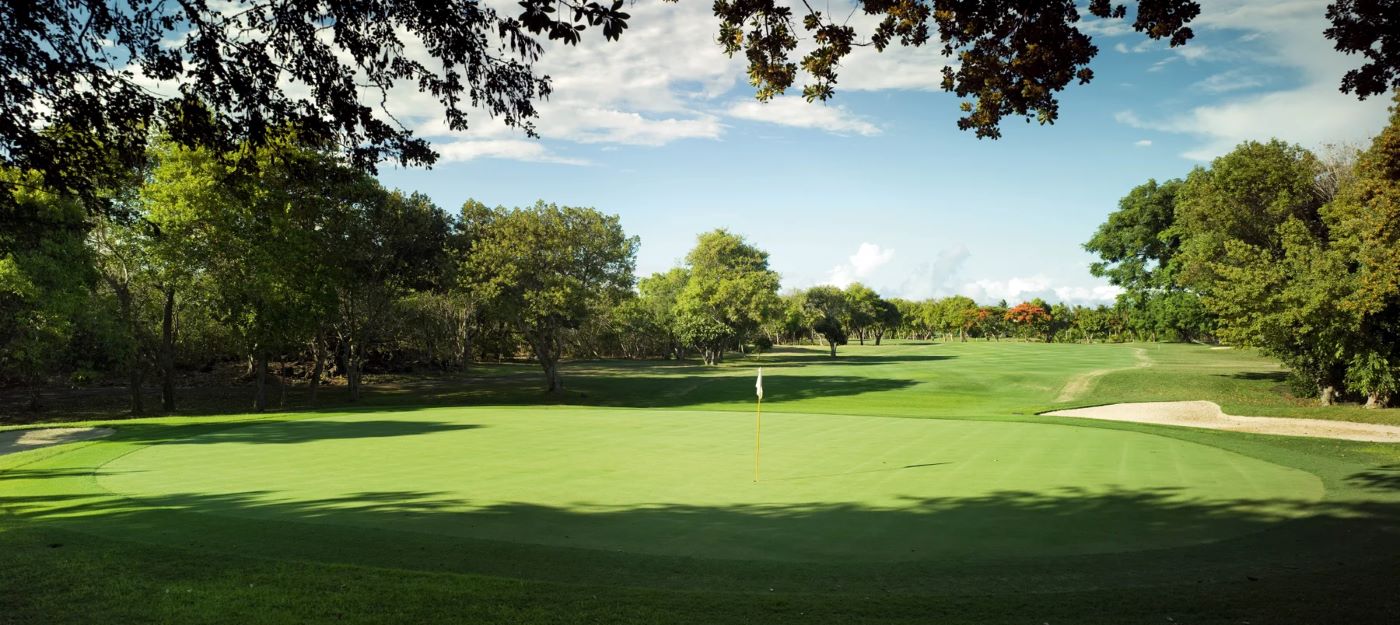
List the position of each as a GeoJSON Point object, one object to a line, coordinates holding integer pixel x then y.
{"type": "Point", "coordinates": [902, 483]}
{"type": "Point", "coordinates": [675, 483]}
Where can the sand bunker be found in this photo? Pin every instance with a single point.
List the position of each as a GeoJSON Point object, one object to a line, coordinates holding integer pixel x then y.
{"type": "Point", "coordinates": [1206, 414]}
{"type": "Point", "coordinates": [23, 440]}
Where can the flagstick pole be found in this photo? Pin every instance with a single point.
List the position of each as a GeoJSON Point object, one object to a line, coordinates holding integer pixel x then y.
{"type": "Point", "coordinates": [757, 437]}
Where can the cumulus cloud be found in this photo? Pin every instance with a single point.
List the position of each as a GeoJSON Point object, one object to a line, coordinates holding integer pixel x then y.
{"type": "Point", "coordinates": [797, 111]}
{"type": "Point", "coordinates": [861, 265]}
{"type": "Point", "coordinates": [936, 278]}
{"type": "Point", "coordinates": [1015, 290]}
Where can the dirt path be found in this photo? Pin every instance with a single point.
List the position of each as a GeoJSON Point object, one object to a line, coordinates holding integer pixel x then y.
{"type": "Point", "coordinates": [1208, 415]}
{"type": "Point", "coordinates": [1080, 384]}
{"type": "Point", "coordinates": [23, 440]}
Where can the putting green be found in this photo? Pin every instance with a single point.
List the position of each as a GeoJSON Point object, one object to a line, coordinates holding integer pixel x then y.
{"type": "Point", "coordinates": [833, 488]}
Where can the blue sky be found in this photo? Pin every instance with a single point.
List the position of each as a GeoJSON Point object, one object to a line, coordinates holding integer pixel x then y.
{"type": "Point", "coordinates": [879, 185]}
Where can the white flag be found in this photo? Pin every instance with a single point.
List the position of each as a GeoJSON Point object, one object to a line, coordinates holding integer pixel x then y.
{"type": "Point", "coordinates": [759, 385]}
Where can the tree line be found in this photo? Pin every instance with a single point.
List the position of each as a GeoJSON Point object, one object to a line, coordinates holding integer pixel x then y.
{"type": "Point", "coordinates": [305, 268]}
{"type": "Point", "coordinates": [308, 269]}
{"type": "Point", "coordinates": [1280, 248]}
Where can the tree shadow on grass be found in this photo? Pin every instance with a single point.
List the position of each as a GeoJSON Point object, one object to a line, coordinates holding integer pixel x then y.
{"type": "Point", "coordinates": [676, 389]}
{"type": "Point", "coordinates": [1262, 376]}
{"type": "Point", "coordinates": [642, 384]}
{"type": "Point", "coordinates": [1003, 542]}
{"type": "Point", "coordinates": [1384, 477]}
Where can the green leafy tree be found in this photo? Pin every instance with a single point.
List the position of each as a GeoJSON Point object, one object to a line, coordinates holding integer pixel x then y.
{"type": "Point", "coordinates": [45, 275]}
{"type": "Point", "coordinates": [1364, 225]}
{"type": "Point", "coordinates": [861, 309]}
{"type": "Point", "coordinates": [255, 240]}
{"type": "Point", "coordinates": [378, 248]}
{"type": "Point", "coordinates": [658, 297]}
{"type": "Point", "coordinates": [729, 284]}
{"type": "Point", "coordinates": [887, 319]}
{"type": "Point", "coordinates": [960, 314]}
{"type": "Point", "coordinates": [826, 309]}
{"type": "Point", "coordinates": [1137, 247]}
{"type": "Point", "coordinates": [545, 269]}
{"type": "Point", "coordinates": [1255, 247]}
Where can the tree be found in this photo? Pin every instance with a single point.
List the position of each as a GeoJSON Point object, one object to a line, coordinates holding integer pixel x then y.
{"type": "Point", "coordinates": [233, 71]}
{"type": "Point", "coordinates": [233, 86]}
{"type": "Point", "coordinates": [960, 313]}
{"type": "Point", "coordinates": [1255, 246]}
{"type": "Point", "coordinates": [658, 295]}
{"type": "Point", "coordinates": [545, 269]}
{"type": "Point", "coordinates": [1029, 315]}
{"type": "Point", "coordinates": [861, 307]}
{"type": "Point", "coordinates": [729, 285]}
{"type": "Point", "coordinates": [887, 318]}
{"type": "Point", "coordinates": [45, 273]}
{"type": "Point", "coordinates": [991, 321]}
{"type": "Point", "coordinates": [379, 247]}
{"type": "Point", "coordinates": [826, 308]}
{"type": "Point", "coordinates": [1137, 247]}
{"type": "Point", "coordinates": [255, 239]}
{"type": "Point", "coordinates": [1368, 27]}
{"type": "Point", "coordinates": [1364, 225]}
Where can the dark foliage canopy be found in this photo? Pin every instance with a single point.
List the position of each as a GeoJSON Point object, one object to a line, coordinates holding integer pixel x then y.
{"type": "Point", "coordinates": [83, 79]}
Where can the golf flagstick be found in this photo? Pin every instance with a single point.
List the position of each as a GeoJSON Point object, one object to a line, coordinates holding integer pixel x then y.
{"type": "Point", "coordinates": [758, 424]}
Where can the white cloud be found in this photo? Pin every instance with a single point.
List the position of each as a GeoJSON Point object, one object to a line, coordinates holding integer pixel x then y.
{"type": "Point", "coordinates": [1230, 80]}
{"type": "Point", "coordinates": [1016, 290]}
{"type": "Point", "coordinates": [861, 265]}
{"type": "Point", "coordinates": [1280, 34]}
{"type": "Point", "coordinates": [798, 112]}
{"type": "Point", "coordinates": [513, 149]}
{"type": "Point", "coordinates": [935, 279]}
{"type": "Point", "coordinates": [1143, 143]}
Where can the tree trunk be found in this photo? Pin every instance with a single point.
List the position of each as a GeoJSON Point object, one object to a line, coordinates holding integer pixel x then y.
{"type": "Point", "coordinates": [318, 360]}
{"type": "Point", "coordinates": [352, 369]}
{"type": "Point", "coordinates": [1328, 395]}
{"type": "Point", "coordinates": [167, 353]}
{"type": "Point", "coordinates": [260, 372]}
{"type": "Point", "coordinates": [465, 332]}
{"type": "Point", "coordinates": [833, 348]}
{"type": "Point", "coordinates": [1375, 400]}
{"type": "Point", "coordinates": [878, 335]}
{"type": "Point", "coordinates": [553, 384]}
{"type": "Point", "coordinates": [138, 406]}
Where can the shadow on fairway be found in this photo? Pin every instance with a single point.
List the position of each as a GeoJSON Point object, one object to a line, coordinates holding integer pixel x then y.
{"type": "Point", "coordinates": [778, 359]}
{"type": "Point", "coordinates": [620, 387]}
{"type": "Point", "coordinates": [622, 383]}
{"type": "Point", "coordinates": [1385, 477]}
{"type": "Point", "coordinates": [278, 431]}
{"type": "Point", "coordinates": [1013, 540]}
{"type": "Point", "coordinates": [1262, 376]}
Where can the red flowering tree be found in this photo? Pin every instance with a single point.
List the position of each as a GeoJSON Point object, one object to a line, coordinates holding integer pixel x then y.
{"type": "Point", "coordinates": [1032, 317]}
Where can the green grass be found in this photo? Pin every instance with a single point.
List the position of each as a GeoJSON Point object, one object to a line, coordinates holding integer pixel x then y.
{"type": "Point", "coordinates": [632, 500]}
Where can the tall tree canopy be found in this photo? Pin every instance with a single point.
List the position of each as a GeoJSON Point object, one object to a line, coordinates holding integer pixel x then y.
{"type": "Point", "coordinates": [1137, 247]}
{"type": "Point", "coordinates": [238, 73]}
{"type": "Point", "coordinates": [545, 268]}
{"type": "Point", "coordinates": [728, 294]}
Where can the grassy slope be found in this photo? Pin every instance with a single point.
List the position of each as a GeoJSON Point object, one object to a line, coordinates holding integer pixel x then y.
{"type": "Point", "coordinates": [1337, 567]}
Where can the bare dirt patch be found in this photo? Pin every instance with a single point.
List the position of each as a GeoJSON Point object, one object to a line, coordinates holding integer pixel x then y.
{"type": "Point", "coordinates": [24, 440]}
{"type": "Point", "coordinates": [1208, 415]}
